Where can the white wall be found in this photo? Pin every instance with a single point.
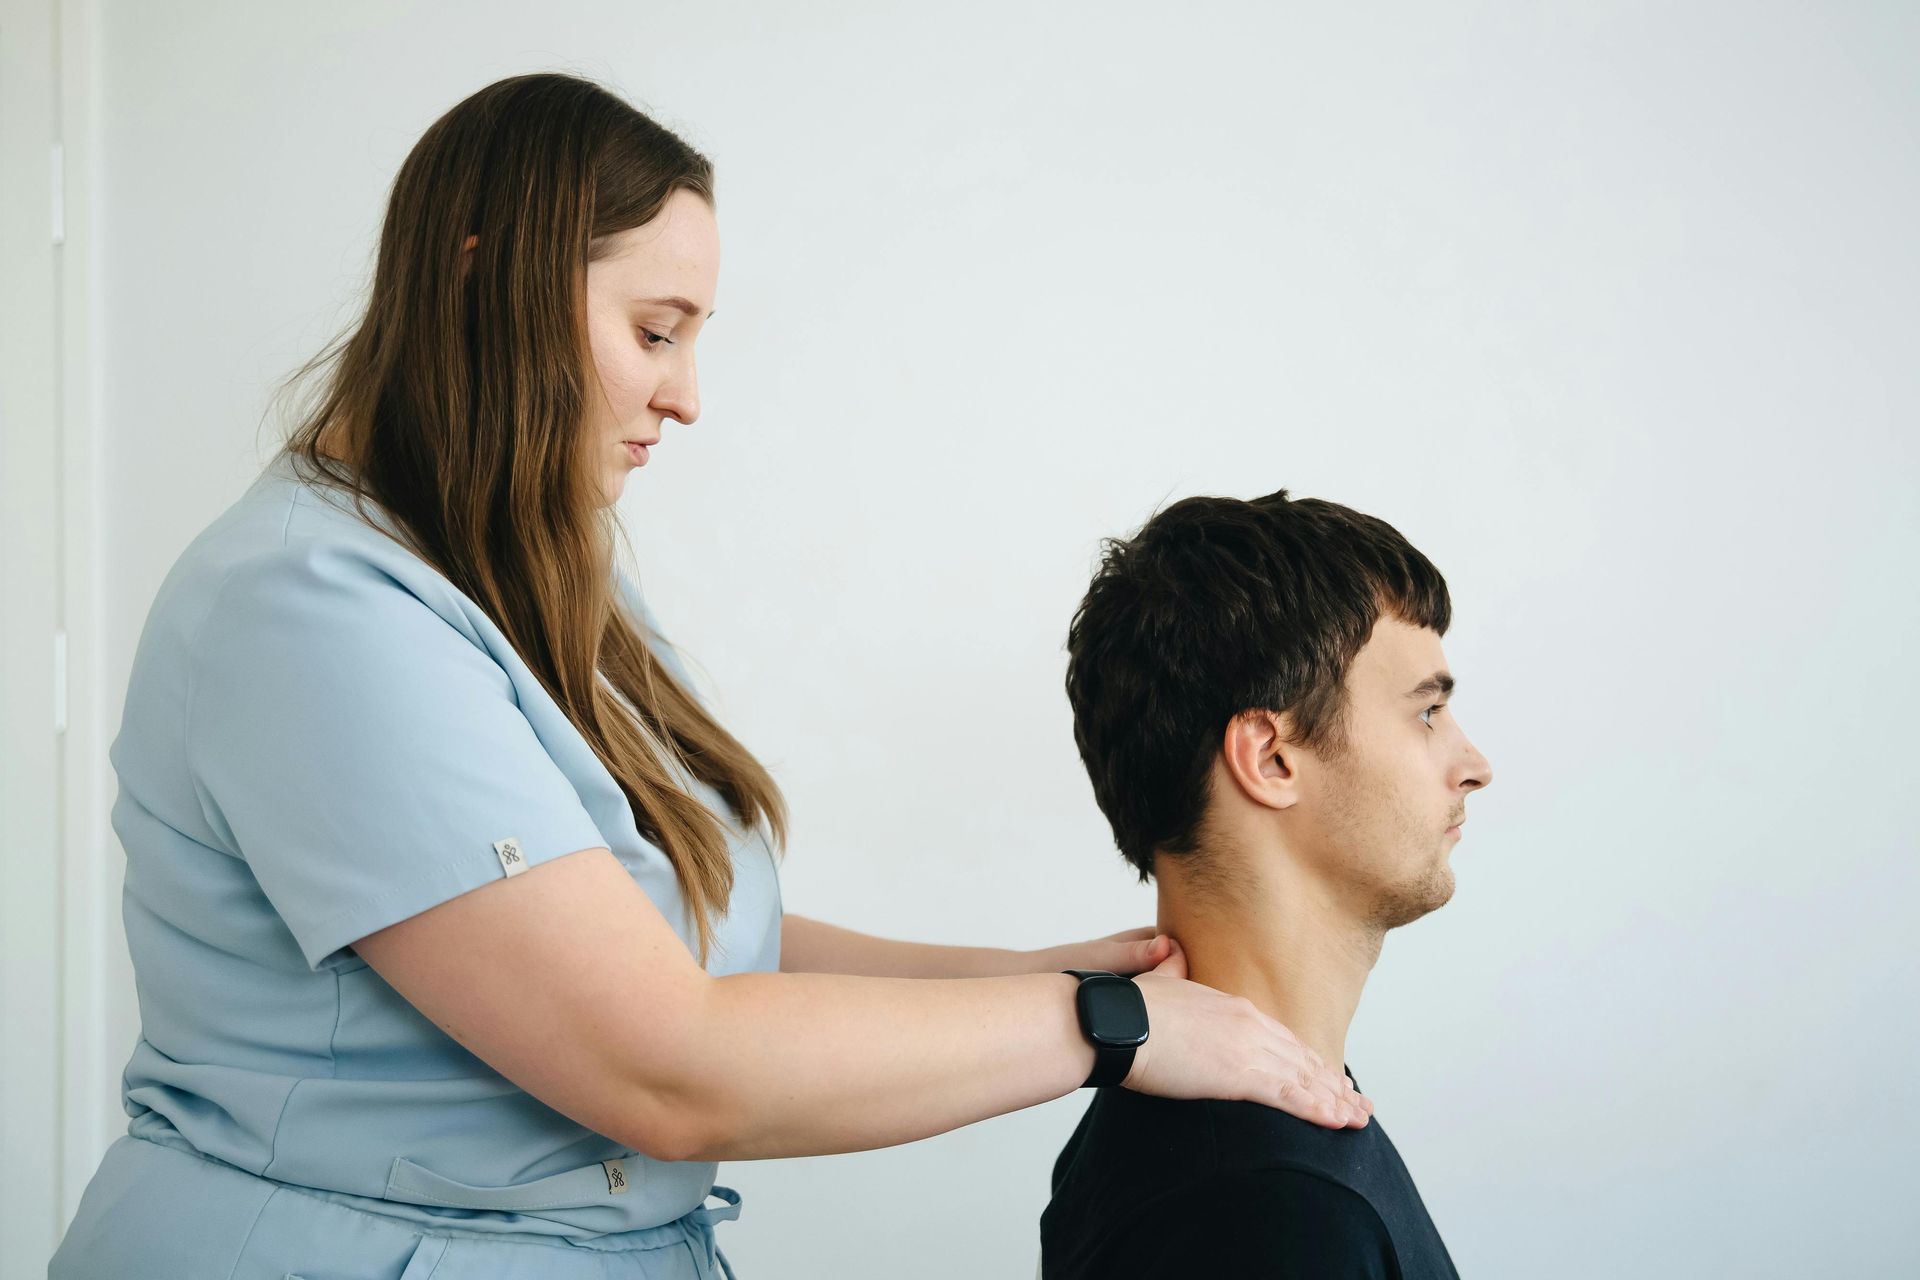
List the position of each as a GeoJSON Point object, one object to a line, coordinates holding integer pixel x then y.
{"type": "Point", "coordinates": [1609, 309]}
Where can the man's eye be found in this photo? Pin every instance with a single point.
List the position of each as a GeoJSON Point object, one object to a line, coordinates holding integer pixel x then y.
{"type": "Point", "coordinates": [1438, 706]}
{"type": "Point", "coordinates": [655, 339]}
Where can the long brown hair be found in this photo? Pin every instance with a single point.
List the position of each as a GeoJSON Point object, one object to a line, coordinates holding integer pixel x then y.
{"type": "Point", "coordinates": [463, 398]}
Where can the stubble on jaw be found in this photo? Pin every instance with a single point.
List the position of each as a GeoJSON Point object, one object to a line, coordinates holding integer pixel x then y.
{"type": "Point", "coordinates": [1406, 902]}
{"type": "Point", "coordinates": [1358, 810]}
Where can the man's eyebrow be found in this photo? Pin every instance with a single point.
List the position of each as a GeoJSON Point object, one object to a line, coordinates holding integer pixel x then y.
{"type": "Point", "coordinates": [1438, 683]}
{"type": "Point", "coordinates": [677, 303]}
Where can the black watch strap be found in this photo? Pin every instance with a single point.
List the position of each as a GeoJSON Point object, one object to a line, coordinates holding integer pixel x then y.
{"type": "Point", "coordinates": [1113, 1017]}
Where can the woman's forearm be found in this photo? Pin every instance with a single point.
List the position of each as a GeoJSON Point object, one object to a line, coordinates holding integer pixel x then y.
{"type": "Point", "coordinates": [813, 946]}
{"type": "Point", "coordinates": [795, 1064]}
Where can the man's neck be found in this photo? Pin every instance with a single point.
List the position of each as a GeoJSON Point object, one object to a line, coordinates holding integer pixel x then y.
{"type": "Point", "coordinates": [1290, 948]}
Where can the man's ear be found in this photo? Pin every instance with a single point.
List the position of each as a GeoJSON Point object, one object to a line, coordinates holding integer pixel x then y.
{"type": "Point", "coordinates": [1259, 757]}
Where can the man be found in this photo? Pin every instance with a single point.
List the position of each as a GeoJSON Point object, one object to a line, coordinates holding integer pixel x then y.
{"type": "Point", "coordinates": [1261, 701]}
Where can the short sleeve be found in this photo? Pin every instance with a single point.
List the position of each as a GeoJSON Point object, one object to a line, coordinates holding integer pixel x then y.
{"type": "Point", "coordinates": [367, 755]}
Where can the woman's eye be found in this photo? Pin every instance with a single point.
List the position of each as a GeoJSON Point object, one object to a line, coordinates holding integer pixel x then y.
{"type": "Point", "coordinates": [653, 339]}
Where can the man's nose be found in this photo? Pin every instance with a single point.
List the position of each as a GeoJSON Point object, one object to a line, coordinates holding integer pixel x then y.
{"type": "Point", "coordinates": [1478, 772]}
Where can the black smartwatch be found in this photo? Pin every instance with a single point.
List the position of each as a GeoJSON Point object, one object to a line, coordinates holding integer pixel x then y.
{"type": "Point", "coordinates": [1113, 1014]}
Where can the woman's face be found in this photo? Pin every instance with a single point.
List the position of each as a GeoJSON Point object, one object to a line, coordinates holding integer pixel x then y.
{"type": "Point", "coordinates": [646, 302]}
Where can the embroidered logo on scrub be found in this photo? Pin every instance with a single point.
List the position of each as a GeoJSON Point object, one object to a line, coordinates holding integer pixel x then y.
{"type": "Point", "coordinates": [616, 1175]}
{"type": "Point", "coordinates": [512, 861]}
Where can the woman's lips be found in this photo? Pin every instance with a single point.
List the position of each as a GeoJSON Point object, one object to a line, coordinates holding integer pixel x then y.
{"type": "Point", "coordinates": [637, 452]}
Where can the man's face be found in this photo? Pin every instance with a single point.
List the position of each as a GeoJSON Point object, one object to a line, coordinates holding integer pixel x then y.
{"type": "Point", "coordinates": [1382, 814]}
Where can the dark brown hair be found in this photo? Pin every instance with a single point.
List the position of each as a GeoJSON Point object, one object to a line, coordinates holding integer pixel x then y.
{"type": "Point", "coordinates": [1216, 607]}
{"type": "Point", "coordinates": [463, 399]}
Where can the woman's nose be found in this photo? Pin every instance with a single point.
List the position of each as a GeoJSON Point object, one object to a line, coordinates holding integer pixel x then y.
{"type": "Point", "coordinates": [679, 396]}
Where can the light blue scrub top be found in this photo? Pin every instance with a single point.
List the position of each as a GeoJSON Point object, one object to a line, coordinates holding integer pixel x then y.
{"type": "Point", "coordinates": [323, 736]}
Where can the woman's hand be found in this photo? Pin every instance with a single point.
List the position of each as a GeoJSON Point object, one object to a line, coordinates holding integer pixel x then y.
{"type": "Point", "coordinates": [1134, 951]}
{"type": "Point", "coordinates": [1203, 1043]}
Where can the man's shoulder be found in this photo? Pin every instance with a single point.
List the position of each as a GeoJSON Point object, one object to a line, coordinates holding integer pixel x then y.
{"type": "Point", "coordinates": [1251, 1135]}
{"type": "Point", "coordinates": [1122, 1128]}
{"type": "Point", "coordinates": [1268, 1186]}
{"type": "Point", "coordinates": [1322, 1226]}
{"type": "Point", "coordinates": [1205, 1136]}
{"type": "Point", "coordinates": [1248, 1137]}
{"type": "Point", "coordinates": [1131, 1150]}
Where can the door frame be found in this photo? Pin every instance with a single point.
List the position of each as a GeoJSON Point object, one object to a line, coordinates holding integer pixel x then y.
{"type": "Point", "coordinates": [58, 911]}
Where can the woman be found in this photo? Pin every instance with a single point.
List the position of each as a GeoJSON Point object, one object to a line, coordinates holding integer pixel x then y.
{"type": "Point", "coordinates": [455, 922]}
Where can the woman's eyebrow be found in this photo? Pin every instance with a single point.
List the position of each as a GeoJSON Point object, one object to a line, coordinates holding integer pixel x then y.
{"type": "Point", "coordinates": [677, 303]}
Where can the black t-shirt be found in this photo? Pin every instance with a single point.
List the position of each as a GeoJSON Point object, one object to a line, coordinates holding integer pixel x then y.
{"type": "Point", "coordinates": [1167, 1187]}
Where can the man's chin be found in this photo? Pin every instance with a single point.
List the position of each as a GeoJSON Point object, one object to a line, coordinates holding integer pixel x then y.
{"type": "Point", "coordinates": [1418, 898]}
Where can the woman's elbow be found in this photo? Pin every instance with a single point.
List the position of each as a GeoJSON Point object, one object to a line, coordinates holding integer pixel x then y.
{"type": "Point", "coordinates": [680, 1127]}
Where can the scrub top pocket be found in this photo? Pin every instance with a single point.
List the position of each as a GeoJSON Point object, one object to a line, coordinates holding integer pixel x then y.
{"type": "Point", "coordinates": [569, 1189]}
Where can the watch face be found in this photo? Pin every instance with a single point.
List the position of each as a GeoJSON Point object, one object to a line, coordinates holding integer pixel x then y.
{"type": "Point", "coordinates": [1116, 1014]}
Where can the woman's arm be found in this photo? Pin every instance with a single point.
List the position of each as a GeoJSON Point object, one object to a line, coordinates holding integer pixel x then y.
{"type": "Point", "coordinates": [814, 946]}
{"type": "Point", "coordinates": [798, 1064]}
{"type": "Point", "coordinates": [569, 981]}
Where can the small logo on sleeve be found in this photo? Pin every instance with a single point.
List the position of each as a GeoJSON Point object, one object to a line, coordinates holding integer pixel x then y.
{"type": "Point", "coordinates": [616, 1176]}
{"type": "Point", "coordinates": [512, 861]}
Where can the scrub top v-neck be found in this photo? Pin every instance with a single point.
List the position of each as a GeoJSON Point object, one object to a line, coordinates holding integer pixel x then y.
{"type": "Point", "coordinates": [323, 736]}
